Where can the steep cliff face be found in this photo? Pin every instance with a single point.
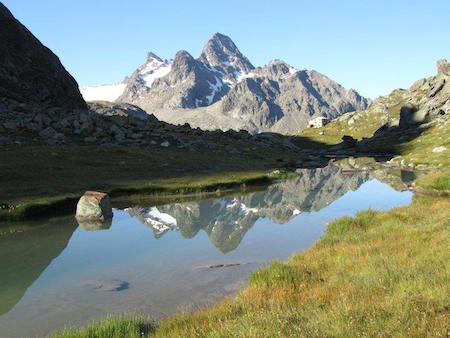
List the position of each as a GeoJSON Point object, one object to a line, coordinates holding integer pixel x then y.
{"type": "Point", "coordinates": [31, 76]}
{"type": "Point", "coordinates": [187, 84]}
{"type": "Point", "coordinates": [281, 98]}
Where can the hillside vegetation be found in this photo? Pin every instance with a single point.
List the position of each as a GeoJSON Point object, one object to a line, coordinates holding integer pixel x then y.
{"type": "Point", "coordinates": [424, 138]}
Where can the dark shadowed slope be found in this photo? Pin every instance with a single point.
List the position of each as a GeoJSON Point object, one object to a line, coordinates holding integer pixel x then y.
{"type": "Point", "coordinates": [31, 76]}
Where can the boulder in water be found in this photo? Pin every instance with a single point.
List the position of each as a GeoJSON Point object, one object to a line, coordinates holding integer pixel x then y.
{"type": "Point", "coordinates": [94, 206]}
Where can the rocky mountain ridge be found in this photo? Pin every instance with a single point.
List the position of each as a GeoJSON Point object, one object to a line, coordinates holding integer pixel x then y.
{"type": "Point", "coordinates": [222, 90]}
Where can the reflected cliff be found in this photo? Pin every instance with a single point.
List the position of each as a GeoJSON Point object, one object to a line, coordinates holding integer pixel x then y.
{"type": "Point", "coordinates": [227, 220]}
{"type": "Point", "coordinates": [25, 252]}
{"type": "Point", "coordinates": [397, 178]}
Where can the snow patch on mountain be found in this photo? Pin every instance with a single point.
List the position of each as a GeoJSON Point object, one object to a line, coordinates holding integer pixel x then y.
{"type": "Point", "coordinates": [198, 103]}
{"type": "Point", "coordinates": [242, 75]}
{"type": "Point", "coordinates": [102, 93]}
{"type": "Point", "coordinates": [246, 210]}
{"type": "Point", "coordinates": [243, 209]}
{"type": "Point", "coordinates": [160, 221]}
{"type": "Point", "coordinates": [154, 69]}
{"type": "Point", "coordinates": [292, 70]}
{"type": "Point", "coordinates": [215, 88]}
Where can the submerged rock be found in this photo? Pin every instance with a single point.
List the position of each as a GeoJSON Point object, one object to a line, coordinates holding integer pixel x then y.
{"type": "Point", "coordinates": [94, 206]}
{"type": "Point", "coordinates": [106, 284]}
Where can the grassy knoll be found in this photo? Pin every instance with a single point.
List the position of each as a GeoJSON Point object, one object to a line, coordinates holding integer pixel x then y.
{"type": "Point", "coordinates": [359, 124]}
{"type": "Point", "coordinates": [376, 274]}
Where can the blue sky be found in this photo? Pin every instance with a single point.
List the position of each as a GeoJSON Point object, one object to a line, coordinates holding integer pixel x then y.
{"type": "Point", "coordinates": [372, 46]}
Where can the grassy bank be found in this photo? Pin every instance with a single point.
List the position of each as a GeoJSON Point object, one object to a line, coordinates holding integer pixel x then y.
{"type": "Point", "coordinates": [377, 274]}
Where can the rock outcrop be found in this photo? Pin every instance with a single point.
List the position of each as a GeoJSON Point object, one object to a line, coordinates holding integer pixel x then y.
{"type": "Point", "coordinates": [425, 103]}
{"type": "Point", "coordinates": [443, 67]}
{"type": "Point", "coordinates": [32, 79]}
{"type": "Point", "coordinates": [427, 98]}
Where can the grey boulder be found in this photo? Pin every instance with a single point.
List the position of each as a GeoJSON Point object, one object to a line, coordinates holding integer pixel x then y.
{"type": "Point", "coordinates": [94, 206]}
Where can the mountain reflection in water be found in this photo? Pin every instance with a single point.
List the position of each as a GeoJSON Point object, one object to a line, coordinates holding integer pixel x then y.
{"type": "Point", "coordinates": [227, 220]}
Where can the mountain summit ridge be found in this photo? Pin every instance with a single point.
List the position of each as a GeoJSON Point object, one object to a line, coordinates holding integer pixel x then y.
{"type": "Point", "coordinates": [221, 89]}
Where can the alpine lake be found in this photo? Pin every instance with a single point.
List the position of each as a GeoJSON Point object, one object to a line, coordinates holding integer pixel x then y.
{"type": "Point", "coordinates": [156, 260]}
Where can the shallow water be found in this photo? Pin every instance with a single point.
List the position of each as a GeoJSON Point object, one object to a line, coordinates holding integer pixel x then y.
{"type": "Point", "coordinates": [156, 260]}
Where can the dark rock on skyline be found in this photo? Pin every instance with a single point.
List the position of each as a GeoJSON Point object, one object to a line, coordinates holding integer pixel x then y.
{"type": "Point", "coordinates": [31, 77]}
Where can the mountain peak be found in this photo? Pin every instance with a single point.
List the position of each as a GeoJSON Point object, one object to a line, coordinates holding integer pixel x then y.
{"type": "Point", "coordinates": [221, 53]}
{"type": "Point", "coordinates": [222, 39]}
{"type": "Point", "coordinates": [152, 56]}
{"type": "Point", "coordinates": [182, 56]}
{"type": "Point", "coordinates": [183, 63]}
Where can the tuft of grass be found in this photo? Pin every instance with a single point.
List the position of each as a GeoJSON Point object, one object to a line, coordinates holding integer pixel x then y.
{"type": "Point", "coordinates": [113, 327]}
{"type": "Point", "coordinates": [277, 275]}
{"type": "Point", "coordinates": [435, 182]}
{"type": "Point", "coordinates": [441, 184]}
{"type": "Point", "coordinates": [361, 222]}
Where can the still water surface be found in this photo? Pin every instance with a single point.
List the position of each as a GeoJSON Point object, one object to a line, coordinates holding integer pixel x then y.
{"type": "Point", "coordinates": [155, 260]}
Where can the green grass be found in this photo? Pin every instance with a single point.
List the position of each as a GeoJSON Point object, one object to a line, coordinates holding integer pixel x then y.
{"type": "Point", "coordinates": [435, 183]}
{"type": "Point", "coordinates": [379, 274]}
{"type": "Point", "coordinates": [365, 122]}
{"type": "Point", "coordinates": [118, 327]}
{"type": "Point", "coordinates": [441, 184]}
